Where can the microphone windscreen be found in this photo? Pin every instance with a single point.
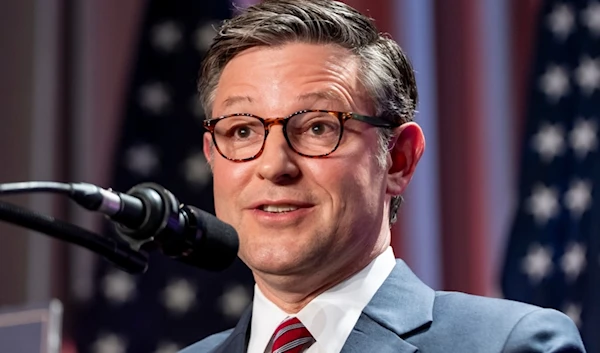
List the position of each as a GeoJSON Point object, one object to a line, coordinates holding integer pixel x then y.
{"type": "Point", "coordinates": [217, 247]}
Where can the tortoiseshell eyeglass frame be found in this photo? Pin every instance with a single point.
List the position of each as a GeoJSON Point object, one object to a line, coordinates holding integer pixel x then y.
{"type": "Point", "coordinates": [267, 123]}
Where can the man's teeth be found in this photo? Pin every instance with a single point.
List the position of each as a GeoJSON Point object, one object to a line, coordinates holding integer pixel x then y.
{"type": "Point", "coordinates": [279, 208]}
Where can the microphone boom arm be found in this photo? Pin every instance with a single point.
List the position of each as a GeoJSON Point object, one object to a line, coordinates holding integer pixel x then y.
{"type": "Point", "coordinates": [122, 256]}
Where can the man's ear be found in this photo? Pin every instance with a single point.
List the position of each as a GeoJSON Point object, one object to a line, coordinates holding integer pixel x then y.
{"type": "Point", "coordinates": [207, 146]}
{"type": "Point", "coordinates": [406, 150]}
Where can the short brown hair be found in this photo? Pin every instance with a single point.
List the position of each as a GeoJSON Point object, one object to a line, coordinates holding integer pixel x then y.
{"type": "Point", "coordinates": [385, 71]}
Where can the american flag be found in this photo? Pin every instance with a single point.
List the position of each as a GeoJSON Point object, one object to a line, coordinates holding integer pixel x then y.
{"type": "Point", "coordinates": [553, 257]}
{"type": "Point", "coordinates": [172, 305]}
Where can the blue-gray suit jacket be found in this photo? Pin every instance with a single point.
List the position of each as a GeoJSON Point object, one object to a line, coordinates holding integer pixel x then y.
{"type": "Point", "coordinates": [405, 316]}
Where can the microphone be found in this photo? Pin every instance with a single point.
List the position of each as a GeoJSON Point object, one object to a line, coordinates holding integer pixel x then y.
{"type": "Point", "coordinates": [149, 214]}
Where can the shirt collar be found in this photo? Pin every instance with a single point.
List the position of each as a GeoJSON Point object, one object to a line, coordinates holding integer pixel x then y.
{"type": "Point", "coordinates": [329, 317]}
{"type": "Point", "coordinates": [266, 316]}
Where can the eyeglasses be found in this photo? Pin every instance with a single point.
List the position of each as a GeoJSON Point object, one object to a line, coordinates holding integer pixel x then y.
{"type": "Point", "coordinates": [311, 133]}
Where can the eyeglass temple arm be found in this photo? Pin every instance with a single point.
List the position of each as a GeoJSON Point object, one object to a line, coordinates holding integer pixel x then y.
{"type": "Point", "coordinates": [379, 122]}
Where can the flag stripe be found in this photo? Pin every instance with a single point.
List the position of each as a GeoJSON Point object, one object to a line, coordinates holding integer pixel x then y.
{"type": "Point", "coordinates": [523, 15]}
{"type": "Point", "coordinates": [461, 141]}
{"type": "Point", "coordinates": [420, 216]}
{"type": "Point", "coordinates": [499, 189]}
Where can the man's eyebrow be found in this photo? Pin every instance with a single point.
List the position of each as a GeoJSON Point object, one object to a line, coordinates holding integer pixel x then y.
{"type": "Point", "coordinates": [326, 95]}
{"type": "Point", "coordinates": [322, 95]}
{"type": "Point", "coordinates": [233, 100]}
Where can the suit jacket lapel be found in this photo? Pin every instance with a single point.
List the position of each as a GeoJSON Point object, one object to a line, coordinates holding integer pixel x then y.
{"type": "Point", "coordinates": [237, 342]}
{"type": "Point", "coordinates": [402, 306]}
{"type": "Point", "coordinates": [369, 336]}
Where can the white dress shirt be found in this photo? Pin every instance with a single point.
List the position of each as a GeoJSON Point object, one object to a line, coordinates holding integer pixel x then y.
{"type": "Point", "coordinates": [329, 317]}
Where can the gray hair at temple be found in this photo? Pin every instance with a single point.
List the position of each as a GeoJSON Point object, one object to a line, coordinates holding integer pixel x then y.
{"type": "Point", "coordinates": [384, 69]}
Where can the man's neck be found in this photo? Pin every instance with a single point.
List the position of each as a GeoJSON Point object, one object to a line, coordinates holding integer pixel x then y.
{"type": "Point", "coordinates": [292, 293]}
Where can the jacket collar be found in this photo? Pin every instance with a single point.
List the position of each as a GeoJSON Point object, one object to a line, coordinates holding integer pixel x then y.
{"type": "Point", "coordinates": [403, 304]}
{"type": "Point", "coordinates": [401, 307]}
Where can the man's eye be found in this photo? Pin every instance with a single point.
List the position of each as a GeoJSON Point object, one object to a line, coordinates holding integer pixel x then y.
{"type": "Point", "coordinates": [319, 128]}
{"type": "Point", "coordinates": [242, 132]}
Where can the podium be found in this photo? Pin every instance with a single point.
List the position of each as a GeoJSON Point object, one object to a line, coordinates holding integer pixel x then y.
{"type": "Point", "coordinates": [31, 329]}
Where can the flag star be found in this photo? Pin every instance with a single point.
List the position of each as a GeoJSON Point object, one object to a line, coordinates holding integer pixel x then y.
{"type": "Point", "coordinates": [204, 36]}
{"type": "Point", "coordinates": [109, 343]}
{"type": "Point", "coordinates": [179, 296]}
{"type": "Point", "coordinates": [591, 17]}
{"type": "Point", "coordinates": [234, 300]}
{"type": "Point", "coordinates": [118, 286]}
{"type": "Point", "coordinates": [573, 261]}
{"type": "Point", "coordinates": [154, 98]}
{"type": "Point", "coordinates": [142, 159]}
{"type": "Point", "coordinates": [555, 83]}
{"type": "Point", "coordinates": [538, 263]}
{"type": "Point", "coordinates": [549, 141]}
{"type": "Point", "coordinates": [583, 137]}
{"type": "Point", "coordinates": [166, 36]}
{"type": "Point", "coordinates": [579, 197]}
{"type": "Point", "coordinates": [167, 347]}
{"type": "Point", "coordinates": [197, 170]}
{"type": "Point", "coordinates": [587, 75]}
{"type": "Point", "coordinates": [543, 203]}
{"type": "Point", "coordinates": [573, 311]}
{"type": "Point", "coordinates": [561, 21]}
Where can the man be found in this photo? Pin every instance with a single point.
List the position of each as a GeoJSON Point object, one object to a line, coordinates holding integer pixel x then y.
{"type": "Point", "coordinates": [311, 142]}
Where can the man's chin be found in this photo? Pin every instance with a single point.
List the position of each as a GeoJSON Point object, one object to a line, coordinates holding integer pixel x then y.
{"type": "Point", "coordinates": [282, 255]}
{"type": "Point", "coordinates": [280, 267]}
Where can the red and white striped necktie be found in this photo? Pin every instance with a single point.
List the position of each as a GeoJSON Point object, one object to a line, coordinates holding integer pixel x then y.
{"type": "Point", "coordinates": [291, 337]}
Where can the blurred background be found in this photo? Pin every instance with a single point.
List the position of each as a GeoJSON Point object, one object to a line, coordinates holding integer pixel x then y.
{"type": "Point", "coordinates": [503, 203]}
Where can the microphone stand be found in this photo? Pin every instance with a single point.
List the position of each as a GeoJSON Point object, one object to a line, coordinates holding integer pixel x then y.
{"type": "Point", "coordinates": [119, 254]}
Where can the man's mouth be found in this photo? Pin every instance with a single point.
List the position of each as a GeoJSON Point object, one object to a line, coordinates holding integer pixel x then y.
{"type": "Point", "coordinates": [278, 208]}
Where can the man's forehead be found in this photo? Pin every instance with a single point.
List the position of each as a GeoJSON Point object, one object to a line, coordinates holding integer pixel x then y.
{"type": "Point", "coordinates": [295, 54]}
{"type": "Point", "coordinates": [295, 73]}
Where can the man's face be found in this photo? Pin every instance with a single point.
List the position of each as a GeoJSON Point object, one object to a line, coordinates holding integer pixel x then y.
{"type": "Point", "coordinates": [336, 203]}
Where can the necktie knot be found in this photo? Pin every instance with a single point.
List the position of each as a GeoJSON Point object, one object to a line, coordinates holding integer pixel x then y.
{"type": "Point", "coordinates": [291, 337]}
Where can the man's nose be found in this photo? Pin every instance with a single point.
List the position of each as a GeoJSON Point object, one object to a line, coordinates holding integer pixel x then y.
{"type": "Point", "coordinates": [278, 162]}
